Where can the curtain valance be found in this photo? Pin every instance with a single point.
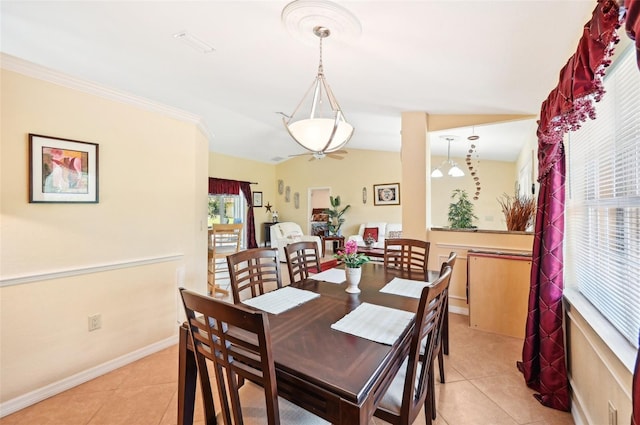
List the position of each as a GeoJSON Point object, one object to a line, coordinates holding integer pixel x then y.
{"type": "Point", "coordinates": [580, 83]}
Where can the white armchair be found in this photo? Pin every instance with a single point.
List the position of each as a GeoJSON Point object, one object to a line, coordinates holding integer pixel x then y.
{"type": "Point", "coordinates": [385, 230]}
{"type": "Point", "coordinates": [288, 232]}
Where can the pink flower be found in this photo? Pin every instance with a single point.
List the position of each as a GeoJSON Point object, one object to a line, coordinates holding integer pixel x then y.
{"type": "Point", "coordinates": [350, 255]}
{"type": "Point", "coordinates": [350, 247]}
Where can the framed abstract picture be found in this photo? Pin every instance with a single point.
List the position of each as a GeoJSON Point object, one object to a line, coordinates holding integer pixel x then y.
{"type": "Point", "coordinates": [62, 170]}
{"type": "Point", "coordinates": [386, 194]}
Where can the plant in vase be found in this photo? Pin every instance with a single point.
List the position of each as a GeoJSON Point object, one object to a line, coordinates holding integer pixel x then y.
{"type": "Point", "coordinates": [335, 215]}
{"type": "Point", "coordinates": [519, 211]}
{"type": "Point", "coordinates": [353, 262]}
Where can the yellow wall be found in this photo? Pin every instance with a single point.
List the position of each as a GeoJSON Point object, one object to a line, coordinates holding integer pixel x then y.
{"type": "Point", "coordinates": [596, 374]}
{"type": "Point", "coordinates": [346, 178]}
{"type": "Point", "coordinates": [496, 178]}
{"type": "Point", "coordinates": [122, 257]}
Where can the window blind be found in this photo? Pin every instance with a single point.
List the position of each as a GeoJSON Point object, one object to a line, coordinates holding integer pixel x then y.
{"type": "Point", "coordinates": [602, 221]}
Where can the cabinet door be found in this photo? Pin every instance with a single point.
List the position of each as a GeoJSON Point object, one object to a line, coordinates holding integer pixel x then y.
{"type": "Point", "coordinates": [499, 293]}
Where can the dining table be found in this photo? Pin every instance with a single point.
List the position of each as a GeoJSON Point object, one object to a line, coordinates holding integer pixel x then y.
{"type": "Point", "coordinates": [333, 374]}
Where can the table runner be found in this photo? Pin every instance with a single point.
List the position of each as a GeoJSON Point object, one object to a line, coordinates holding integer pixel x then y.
{"type": "Point", "coordinates": [275, 302]}
{"type": "Point", "coordinates": [405, 287]}
{"type": "Point", "coordinates": [331, 275]}
{"type": "Point", "coordinates": [375, 322]}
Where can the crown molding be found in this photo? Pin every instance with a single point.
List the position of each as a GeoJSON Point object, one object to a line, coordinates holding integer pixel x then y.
{"type": "Point", "coordinates": [30, 69]}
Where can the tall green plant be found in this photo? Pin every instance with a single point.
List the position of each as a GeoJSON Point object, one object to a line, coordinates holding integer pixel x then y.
{"type": "Point", "coordinates": [335, 215]}
{"type": "Point", "coordinates": [461, 214]}
{"type": "Point", "coordinates": [213, 207]}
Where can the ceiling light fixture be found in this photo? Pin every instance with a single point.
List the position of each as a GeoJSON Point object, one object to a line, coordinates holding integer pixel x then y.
{"type": "Point", "coordinates": [454, 171]}
{"type": "Point", "coordinates": [194, 42]}
{"type": "Point", "coordinates": [318, 124]}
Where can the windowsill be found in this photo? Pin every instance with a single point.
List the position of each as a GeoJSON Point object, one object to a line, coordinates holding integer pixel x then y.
{"type": "Point", "coordinates": [618, 344]}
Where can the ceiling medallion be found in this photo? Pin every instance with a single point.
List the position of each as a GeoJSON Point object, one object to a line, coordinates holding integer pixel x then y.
{"type": "Point", "coordinates": [300, 17]}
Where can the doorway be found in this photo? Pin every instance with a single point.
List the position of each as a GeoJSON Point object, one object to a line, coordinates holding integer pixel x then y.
{"type": "Point", "coordinates": [318, 198]}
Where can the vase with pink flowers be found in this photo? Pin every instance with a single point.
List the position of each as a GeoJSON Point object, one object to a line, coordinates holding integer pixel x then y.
{"type": "Point", "coordinates": [353, 262]}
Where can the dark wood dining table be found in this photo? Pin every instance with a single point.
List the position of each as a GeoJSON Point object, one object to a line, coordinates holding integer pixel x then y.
{"type": "Point", "coordinates": [338, 376]}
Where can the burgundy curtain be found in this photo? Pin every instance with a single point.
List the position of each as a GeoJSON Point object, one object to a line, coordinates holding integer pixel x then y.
{"type": "Point", "coordinates": [543, 353]}
{"type": "Point", "coordinates": [234, 187]}
{"type": "Point", "coordinates": [569, 104]}
{"type": "Point", "coordinates": [633, 24]}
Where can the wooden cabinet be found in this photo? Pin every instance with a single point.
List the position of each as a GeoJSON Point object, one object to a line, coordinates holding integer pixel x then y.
{"type": "Point", "coordinates": [266, 230]}
{"type": "Point", "coordinates": [499, 291]}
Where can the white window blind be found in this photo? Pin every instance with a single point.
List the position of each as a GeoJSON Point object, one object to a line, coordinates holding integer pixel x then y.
{"type": "Point", "coordinates": [603, 202]}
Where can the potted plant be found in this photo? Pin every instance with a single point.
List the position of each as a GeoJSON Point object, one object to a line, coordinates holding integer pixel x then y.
{"type": "Point", "coordinates": [353, 262]}
{"type": "Point", "coordinates": [335, 215]}
{"type": "Point", "coordinates": [461, 214]}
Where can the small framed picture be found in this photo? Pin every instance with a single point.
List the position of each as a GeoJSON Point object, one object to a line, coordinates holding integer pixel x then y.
{"type": "Point", "coordinates": [62, 170]}
{"type": "Point", "coordinates": [257, 199]}
{"type": "Point", "coordinates": [386, 194]}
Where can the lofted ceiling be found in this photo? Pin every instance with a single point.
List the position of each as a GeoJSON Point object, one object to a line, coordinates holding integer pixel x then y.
{"type": "Point", "coordinates": [441, 57]}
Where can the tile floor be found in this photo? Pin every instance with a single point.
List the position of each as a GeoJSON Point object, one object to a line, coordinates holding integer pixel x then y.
{"type": "Point", "coordinates": [483, 388]}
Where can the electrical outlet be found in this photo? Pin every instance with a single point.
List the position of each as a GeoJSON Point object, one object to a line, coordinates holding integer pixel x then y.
{"type": "Point", "coordinates": [95, 322]}
{"type": "Point", "coordinates": [613, 414]}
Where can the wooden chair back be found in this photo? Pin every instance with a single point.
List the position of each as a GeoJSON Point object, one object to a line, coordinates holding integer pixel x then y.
{"type": "Point", "coordinates": [234, 359]}
{"type": "Point", "coordinates": [442, 340]}
{"type": "Point", "coordinates": [302, 259]}
{"type": "Point", "coordinates": [406, 254]}
{"type": "Point", "coordinates": [224, 239]}
{"type": "Point", "coordinates": [419, 368]}
{"type": "Point", "coordinates": [255, 270]}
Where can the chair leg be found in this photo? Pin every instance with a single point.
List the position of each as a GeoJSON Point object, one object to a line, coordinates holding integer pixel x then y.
{"type": "Point", "coordinates": [430, 402]}
{"type": "Point", "coordinates": [441, 364]}
{"type": "Point", "coordinates": [213, 287]}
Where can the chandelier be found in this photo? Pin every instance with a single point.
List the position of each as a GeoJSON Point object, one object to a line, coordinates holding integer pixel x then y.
{"type": "Point", "coordinates": [318, 124]}
{"type": "Point", "coordinates": [454, 170]}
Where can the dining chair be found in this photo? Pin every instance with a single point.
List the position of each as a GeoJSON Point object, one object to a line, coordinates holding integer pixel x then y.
{"type": "Point", "coordinates": [442, 341]}
{"type": "Point", "coordinates": [224, 239]}
{"type": "Point", "coordinates": [302, 259]}
{"type": "Point", "coordinates": [406, 254]}
{"type": "Point", "coordinates": [410, 389]}
{"type": "Point", "coordinates": [211, 323]}
{"type": "Point", "coordinates": [256, 270]}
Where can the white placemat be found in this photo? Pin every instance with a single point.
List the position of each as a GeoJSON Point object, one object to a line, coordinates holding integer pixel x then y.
{"type": "Point", "coordinates": [375, 322]}
{"type": "Point", "coordinates": [283, 299]}
{"type": "Point", "coordinates": [405, 287]}
{"type": "Point", "coordinates": [331, 275]}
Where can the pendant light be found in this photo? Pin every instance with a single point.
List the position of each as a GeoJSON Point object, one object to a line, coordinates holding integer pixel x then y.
{"type": "Point", "coordinates": [454, 170]}
{"type": "Point", "coordinates": [318, 124]}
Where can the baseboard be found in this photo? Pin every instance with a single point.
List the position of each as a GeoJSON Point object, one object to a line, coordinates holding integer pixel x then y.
{"type": "Point", "coordinates": [33, 397]}
{"type": "Point", "coordinates": [459, 310]}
